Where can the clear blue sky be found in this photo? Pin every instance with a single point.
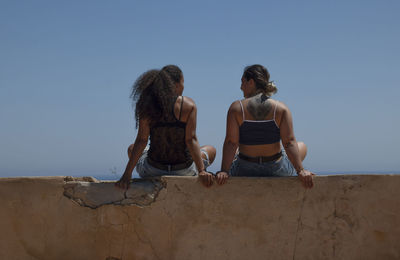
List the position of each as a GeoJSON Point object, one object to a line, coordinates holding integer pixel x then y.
{"type": "Point", "coordinates": [66, 71]}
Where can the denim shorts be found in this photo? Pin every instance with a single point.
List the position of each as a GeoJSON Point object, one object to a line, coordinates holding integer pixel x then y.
{"type": "Point", "coordinates": [145, 170]}
{"type": "Point", "coordinates": [279, 168]}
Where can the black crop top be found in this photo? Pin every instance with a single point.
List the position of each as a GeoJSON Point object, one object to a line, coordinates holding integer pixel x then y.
{"type": "Point", "coordinates": [167, 141]}
{"type": "Point", "coordinates": [253, 132]}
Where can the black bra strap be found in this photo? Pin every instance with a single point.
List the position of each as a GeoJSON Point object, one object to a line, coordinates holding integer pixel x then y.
{"type": "Point", "coordinates": [180, 113]}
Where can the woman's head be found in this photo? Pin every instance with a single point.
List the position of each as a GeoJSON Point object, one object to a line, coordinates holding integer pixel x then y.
{"type": "Point", "coordinates": [260, 76]}
{"type": "Point", "coordinates": [174, 72]}
{"type": "Point", "coordinates": [176, 76]}
{"type": "Point", "coordinates": [154, 93]}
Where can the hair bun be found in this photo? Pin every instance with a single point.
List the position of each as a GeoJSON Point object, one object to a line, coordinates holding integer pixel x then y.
{"type": "Point", "coordinates": [271, 87]}
{"type": "Point", "coordinates": [271, 84]}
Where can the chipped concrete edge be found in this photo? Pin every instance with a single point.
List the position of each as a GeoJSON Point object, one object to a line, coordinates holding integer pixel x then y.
{"type": "Point", "coordinates": [92, 193]}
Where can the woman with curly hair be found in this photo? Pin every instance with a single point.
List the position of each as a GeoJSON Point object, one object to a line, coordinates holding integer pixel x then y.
{"type": "Point", "coordinates": [169, 120]}
{"type": "Point", "coordinates": [255, 128]}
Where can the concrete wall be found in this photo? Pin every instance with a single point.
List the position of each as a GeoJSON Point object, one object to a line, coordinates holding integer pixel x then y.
{"type": "Point", "coordinates": [343, 217]}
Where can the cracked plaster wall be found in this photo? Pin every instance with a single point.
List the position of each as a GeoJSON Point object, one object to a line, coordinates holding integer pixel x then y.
{"type": "Point", "coordinates": [343, 217]}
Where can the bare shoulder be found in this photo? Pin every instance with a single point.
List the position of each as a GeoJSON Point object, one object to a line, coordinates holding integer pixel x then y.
{"type": "Point", "coordinates": [235, 107]}
{"type": "Point", "coordinates": [188, 108]}
{"type": "Point", "coordinates": [235, 111]}
{"type": "Point", "coordinates": [282, 111]}
{"type": "Point", "coordinates": [280, 106]}
{"type": "Point", "coordinates": [188, 103]}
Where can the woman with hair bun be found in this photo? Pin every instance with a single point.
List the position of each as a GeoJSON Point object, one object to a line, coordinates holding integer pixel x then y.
{"type": "Point", "coordinates": [169, 120]}
{"type": "Point", "coordinates": [256, 126]}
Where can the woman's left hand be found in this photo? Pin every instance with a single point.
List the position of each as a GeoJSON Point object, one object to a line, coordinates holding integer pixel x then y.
{"type": "Point", "coordinates": [222, 177]}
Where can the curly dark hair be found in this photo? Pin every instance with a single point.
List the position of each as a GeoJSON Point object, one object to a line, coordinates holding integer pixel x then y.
{"type": "Point", "coordinates": [260, 75]}
{"type": "Point", "coordinates": [154, 95]}
{"type": "Point", "coordinates": [174, 72]}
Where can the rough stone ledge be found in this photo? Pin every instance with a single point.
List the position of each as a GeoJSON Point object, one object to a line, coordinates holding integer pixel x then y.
{"type": "Point", "coordinates": [89, 192]}
{"type": "Point", "coordinates": [92, 193]}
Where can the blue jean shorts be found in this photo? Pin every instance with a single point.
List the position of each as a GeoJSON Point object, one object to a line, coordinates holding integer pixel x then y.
{"type": "Point", "coordinates": [279, 168]}
{"type": "Point", "coordinates": [145, 170]}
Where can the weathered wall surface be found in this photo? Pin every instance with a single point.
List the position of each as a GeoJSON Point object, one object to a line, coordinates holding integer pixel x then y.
{"type": "Point", "coordinates": [342, 217]}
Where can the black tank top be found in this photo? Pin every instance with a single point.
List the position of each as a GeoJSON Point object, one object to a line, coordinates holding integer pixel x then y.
{"type": "Point", "coordinates": [255, 132]}
{"type": "Point", "coordinates": [167, 141]}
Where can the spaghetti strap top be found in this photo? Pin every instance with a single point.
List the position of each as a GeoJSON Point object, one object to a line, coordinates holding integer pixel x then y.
{"type": "Point", "coordinates": [167, 141]}
{"type": "Point", "coordinates": [256, 132]}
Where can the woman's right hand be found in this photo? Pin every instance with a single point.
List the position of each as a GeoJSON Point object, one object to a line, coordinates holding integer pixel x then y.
{"type": "Point", "coordinates": [306, 177]}
{"type": "Point", "coordinates": [206, 178]}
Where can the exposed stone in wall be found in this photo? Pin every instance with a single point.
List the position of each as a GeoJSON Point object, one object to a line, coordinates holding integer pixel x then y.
{"type": "Point", "coordinates": [94, 193]}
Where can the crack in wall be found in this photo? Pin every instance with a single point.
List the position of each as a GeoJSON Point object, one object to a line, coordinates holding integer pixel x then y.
{"type": "Point", "coordinates": [147, 241]}
{"type": "Point", "coordinates": [298, 223]}
{"type": "Point", "coordinates": [125, 231]}
{"type": "Point", "coordinates": [333, 234]}
{"type": "Point", "coordinates": [171, 232]}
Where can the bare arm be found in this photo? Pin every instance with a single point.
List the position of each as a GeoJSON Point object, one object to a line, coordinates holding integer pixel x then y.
{"type": "Point", "coordinates": [231, 142]}
{"type": "Point", "coordinates": [138, 147]}
{"type": "Point", "coordinates": [194, 147]}
{"type": "Point", "coordinates": [191, 139]}
{"type": "Point", "coordinates": [292, 150]}
{"type": "Point", "coordinates": [289, 140]}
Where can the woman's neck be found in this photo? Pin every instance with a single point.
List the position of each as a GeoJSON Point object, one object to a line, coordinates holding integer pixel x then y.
{"type": "Point", "coordinates": [255, 94]}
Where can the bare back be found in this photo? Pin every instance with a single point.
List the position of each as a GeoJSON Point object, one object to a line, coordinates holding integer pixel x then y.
{"type": "Point", "coordinates": [183, 110]}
